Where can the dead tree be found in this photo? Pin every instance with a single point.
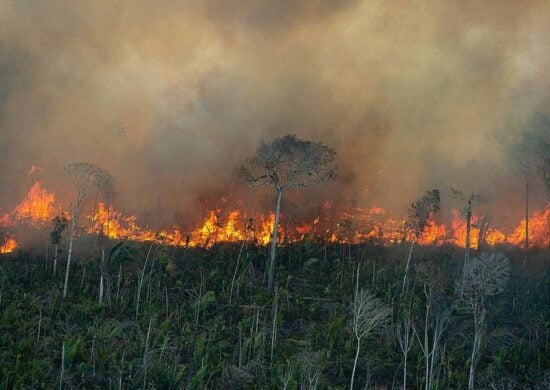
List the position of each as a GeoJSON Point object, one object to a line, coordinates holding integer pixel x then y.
{"type": "Point", "coordinates": [405, 337]}
{"type": "Point", "coordinates": [311, 367]}
{"type": "Point", "coordinates": [419, 216]}
{"type": "Point", "coordinates": [59, 225]}
{"type": "Point", "coordinates": [429, 337]}
{"type": "Point", "coordinates": [284, 163]}
{"type": "Point", "coordinates": [483, 225]}
{"type": "Point", "coordinates": [528, 146]}
{"type": "Point", "coordinates": [84, 177]}
{"type": "Point", "coordinates": [471, 200]}
{"type": "Point", "coordinates": [483, 277]}
{"type": "Point", "coordinates": [369, 315]}
{"type": "Point", "coordinates": [544, 164]}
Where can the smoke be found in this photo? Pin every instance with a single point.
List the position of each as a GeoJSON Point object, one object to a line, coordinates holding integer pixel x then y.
{"type": "Point", "coordinates": [170, 96]}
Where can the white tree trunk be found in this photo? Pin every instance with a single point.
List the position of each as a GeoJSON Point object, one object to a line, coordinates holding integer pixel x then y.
{"type": "Point", "coordinates": [408, 264]}
{"type": "Point", "coordinates": [479, 319]}
{"type": "Point", "coordinates": [473, 358]}
{"type": "Point", "coordinates": [355, 363]}
{"type": "Point", "coordinates": [101, 279]}
{"type": "Point", "coordinates": [70, 253]}
{"type": "Point", "coordinates": [273, 248]}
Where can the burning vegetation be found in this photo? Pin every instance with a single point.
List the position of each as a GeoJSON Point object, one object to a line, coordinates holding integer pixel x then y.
{"type": "Point", "coordinates": [332, 224]}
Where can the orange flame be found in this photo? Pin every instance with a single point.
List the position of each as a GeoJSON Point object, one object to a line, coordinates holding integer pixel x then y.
{"type": "Point", "coordinates": [539, 230]}
{"type": "Point", "coordinates": [37, 207]}
{"type": "Point", "coordinates": [347, 225]}
{"type": "Point", "coordinates": [9, 246]}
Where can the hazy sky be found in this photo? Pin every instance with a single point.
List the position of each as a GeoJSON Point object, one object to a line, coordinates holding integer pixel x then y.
{"type": "Point", "coordinates": [170, 95]}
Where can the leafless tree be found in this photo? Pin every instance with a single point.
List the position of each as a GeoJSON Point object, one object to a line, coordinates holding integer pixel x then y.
{"type": "Point", "coordinates": [311, 367]}
{"type": "Point", "coordinates": [369, 315]}
{"type": "Point", "coordinates": [471, 200]}
{"type": "Point", "coordinates": [528, 145]}
{"type": "Point", "coordinates": [483, 225]}
{"type": "Point", "coordinates": [419, 216]}
{"type": "Point", "coordinates": [545, 170]}
{"type": "Point", "coordinates": [284, 163]}
{"type": "Point", "coordinates": [59, 225]}
{"type": "Point", "coordinates": [434, 324]}
{"type": "Point", "coordinates": [405, 338]}
{"type": "Point", "coordinates": [84, 177]}
{"type": "Point", "coordinates": [484, 277]}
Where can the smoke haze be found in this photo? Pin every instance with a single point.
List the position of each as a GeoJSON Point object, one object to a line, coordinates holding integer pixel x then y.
{"type": "Point", "coordinates": [169, 96]}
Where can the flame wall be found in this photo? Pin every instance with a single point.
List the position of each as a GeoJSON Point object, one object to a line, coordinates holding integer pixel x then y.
{"type": "Point", "coordinates": [335, 225]}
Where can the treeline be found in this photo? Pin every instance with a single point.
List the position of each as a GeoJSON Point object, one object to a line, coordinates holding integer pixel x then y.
{"type": "Point", "coordinates": [150, 316]}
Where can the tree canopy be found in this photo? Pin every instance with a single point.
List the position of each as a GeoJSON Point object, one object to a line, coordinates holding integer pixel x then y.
{"type": "Point", "coordinates": [288, 162]}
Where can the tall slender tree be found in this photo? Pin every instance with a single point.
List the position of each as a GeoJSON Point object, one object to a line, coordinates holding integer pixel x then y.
{"type": "Point", "coordinates": [369, 315]}
{"type": "Point", "coordinates": [419, 216]}
{"type": "Point", "coordinates": [470, 200]}
{"type": "Point", "coordinates": [59, 225]}
{"type": "Point", "coordinates": [528, 146]}
{"type": "Point", "coordinates": [285, 163]}
{"type": "Point", "coordinates": [483, 277]}
{"type": "Point", "coordinates": [84, 177]}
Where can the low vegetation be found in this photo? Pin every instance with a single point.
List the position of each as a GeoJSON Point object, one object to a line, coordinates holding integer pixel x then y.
{"type": "Point", "coordinates": [152, 316]}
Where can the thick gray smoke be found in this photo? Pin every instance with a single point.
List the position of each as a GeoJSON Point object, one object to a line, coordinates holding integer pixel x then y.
{"type": "Point", "coordinates": [169, 96]}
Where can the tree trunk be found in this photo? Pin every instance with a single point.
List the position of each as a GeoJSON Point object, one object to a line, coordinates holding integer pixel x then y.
{"type": "Point", "coordinates": [479, 324]}
{"type": "Point", "coordinates": [405, 373]}
{"type": "Point", "coordinates": [62, 366]}
{"type": "Point", "coordinates": [526, 217]}
{"type": "Point", "coordinates": [55, 252]}
{"type": "Point", "coordinates": [407, 266]}
{"type": "Point", "coordinates": [101, 279]}
{"type": "Point", "coordinates": [468, 229]}
{"type": "Point", "coordinates": [427, 357]}
{"type": "Point", "coordinates": [70, 253]}
{"type": "Point", "coordinates": [475, 349]}
{"type": "Point", "coordinates": [272, 251]}
{"type": "Point", "coordinates": [355, 363]}
{"type": "Point", "coordinates": [140, 281]}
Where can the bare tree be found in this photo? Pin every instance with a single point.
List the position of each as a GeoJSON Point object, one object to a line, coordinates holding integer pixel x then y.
{"type": "Point", "coordinates": [483, 225]}
{"type": "Point", "coordinates": [419, 216]}
{"type": "Point", "coordinates": [471, 200]}
{"type": "Point", "coordinates": [484, 277]}
{"type": "Point", "coordinates": [545, 172]}
{"type": "Point", "coordinates": [544, 161]}
{"type": "Point", "coordinates": [311, 367]}
{"type": "Point", "coordinates": [369, 315]}
{"type": "Point", "coordinates": [528, 145]}
{"type": "Point", "coordinates": [59, 225]}
{"type": "Point", "coordinates": [84, 177]}
{"type": "Point", "coordinates": [284, 163]}
{"type": "Point", "coordinates": [435, 323]}
{"type": "Point", "coordinates": [405, 338]}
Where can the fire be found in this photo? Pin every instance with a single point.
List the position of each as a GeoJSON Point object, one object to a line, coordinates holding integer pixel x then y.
{"type": "Point", "coordinates": [432, 233]}
{"type": "Point", "coordinates": [214, 230]}
{"type": "Point", "coordinates": [267, 224]}
{"type": "Point", "coordinates": [115, 225]}
{"type": "Point", "coordinates": [9, 246]}
{"type": "Point", "coordinates": [37, 207]}
{"type": "Point", "coordinates": [539, 230]}
{"type": "Point", "coordinates": [458, 227]}
{"type": "Point", "coordinates": [334, 224]}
